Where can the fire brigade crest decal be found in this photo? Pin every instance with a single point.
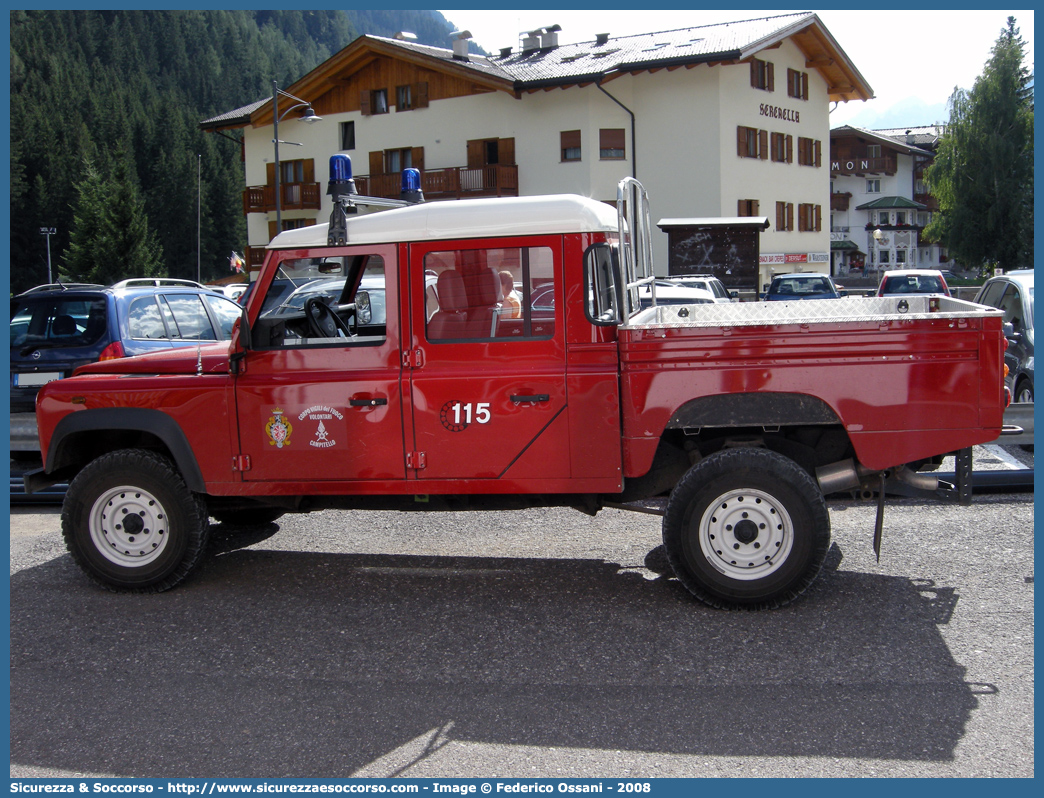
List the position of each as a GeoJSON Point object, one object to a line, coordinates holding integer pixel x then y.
{"type": "Point", "coordinates": [320, 414]}
{"type": "Point", "coordinates": [278, 429]}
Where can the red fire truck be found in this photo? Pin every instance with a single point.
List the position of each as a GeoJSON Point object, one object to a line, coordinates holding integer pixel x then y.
{"type": "Point", "coordinates": [494, 354]}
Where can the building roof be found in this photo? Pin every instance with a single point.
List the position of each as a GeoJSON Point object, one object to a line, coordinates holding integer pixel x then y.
{"type": "Point", "coordinates": [607, 56]}
{"type": "Point", "coordinates": [878, 136]}
{"type": "Point", "coordinates": [237, 118]}
{"type": "Point", "coordinates": [926, 136]}
{"type": "Point", "coordinates": [473, 218]}
{"type": "Point", "coordinates": [882, 203]}
{"type": "Point", "coordinates": [587, 62]}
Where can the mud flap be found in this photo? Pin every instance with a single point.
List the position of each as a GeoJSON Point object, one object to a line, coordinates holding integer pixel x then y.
{"type": "Point", "coordinates": [879, 523]}
{"type": "Point", "coordinates": [963, 473]}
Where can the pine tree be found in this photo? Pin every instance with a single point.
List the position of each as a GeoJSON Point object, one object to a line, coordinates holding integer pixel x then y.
{"type": "Point", "coordinates": [110, 239]}
{"type": "Point", "coordinates": [983, 171]}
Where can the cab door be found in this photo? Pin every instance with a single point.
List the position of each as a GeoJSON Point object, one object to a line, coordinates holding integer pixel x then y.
{"type": "Point", "coordinates": [316, 402]}
{"type": "Point", "coordinates": [487, 377]}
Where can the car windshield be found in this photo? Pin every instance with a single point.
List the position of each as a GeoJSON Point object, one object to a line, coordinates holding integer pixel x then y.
{"type": "Point", "coordinates": [801, 286]}
{"type": "Point", "coordinates": [57, 321]}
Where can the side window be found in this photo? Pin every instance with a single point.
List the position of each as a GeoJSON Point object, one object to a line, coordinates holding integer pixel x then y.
{"type": "Point", "coordinates": [191, 321]}
{"type": "Point", "coordinates": [330, 300]}
{"type": "Point", "coordinates": [502, 293]}
{"type": "Point", "coordinates": [602, 307]}
{"type": "Point", "coordinates": [227, 313]}
{"type": "Point", "coordinates": [144, 319]}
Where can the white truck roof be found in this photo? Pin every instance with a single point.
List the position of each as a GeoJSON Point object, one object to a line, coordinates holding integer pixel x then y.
{"type": "Point", "coordinates": [475, 218]}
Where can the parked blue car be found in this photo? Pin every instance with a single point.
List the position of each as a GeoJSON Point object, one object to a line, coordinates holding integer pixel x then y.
{"type": "Point", "coordinates": [55, 328]}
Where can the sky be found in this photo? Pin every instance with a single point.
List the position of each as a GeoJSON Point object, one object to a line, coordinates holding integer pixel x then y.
{"type": "Point", "coordinates": [913, 60]}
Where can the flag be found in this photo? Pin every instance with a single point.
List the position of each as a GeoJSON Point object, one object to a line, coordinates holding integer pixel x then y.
{"type": "Point", "coordinates": [236, 262]}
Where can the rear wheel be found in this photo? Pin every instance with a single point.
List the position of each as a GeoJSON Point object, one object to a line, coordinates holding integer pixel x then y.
{"type": "Point", "coordinates": [1024, 392]}
{"type": "Point", "coordinates": [746, 528]}
{"type": "Point", "coordinates": [131, 523]}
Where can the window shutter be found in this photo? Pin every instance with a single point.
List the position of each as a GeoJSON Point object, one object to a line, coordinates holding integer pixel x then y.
{"type": "Point", "coordinates": [611, 139]}
{"type": "Point", "coordinates": [754, 73]}
{"type": "Point", "coordinates": [366, 103]}
{"type": "Point", "coordinates": [420, 95]}
{"type": "Point", "coordinates": [377, 163]}
{"type": "Point", "coordinates": [270, 173]}
{"type": "Point", "coordinates": [770, 79]}
{"type": "Point", "coordinates": [417, 158]}
{"type": "Point", "coordinates": [790, 149]}
{"type": "Point", "coordinates": [570, 140]}
{"type": "Point", "coordinates": [741, 207]}
{"type": "Point", "coordinates": [309, 171]}
{"type": "Point", "coordinates": [763, 148]}
{"type": "Point", "coordinates": [754, 207]}
{"type": "Point", "coordinates": [818, 148]}
{"type": "Point", "coordinates": [475, 153]}
{"type": "Point", "coordinates": [741, 142]}
{"type": "Point", "coordinates": [781, 216]}
{"type": "Point", "coordinates": [819, 218]}
{"type": "Point", "coordinates": [272, 230]}
{"type": "Point", "coordinates": [790, 216]}
{"type": "Point", "coordinates": [506, 152]}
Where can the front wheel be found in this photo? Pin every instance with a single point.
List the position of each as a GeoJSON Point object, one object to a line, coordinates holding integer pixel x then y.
{"type": "Point", "coordinates": [746, 528]}
{"type": "Point", "coordinates": [131, 523]}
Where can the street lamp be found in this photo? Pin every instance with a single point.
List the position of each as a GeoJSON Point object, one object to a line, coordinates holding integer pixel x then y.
{"type": "Point", "coordinates": [308, 116]}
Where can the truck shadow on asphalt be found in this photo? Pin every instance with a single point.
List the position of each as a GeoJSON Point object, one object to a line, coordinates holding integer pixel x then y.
{"type": "Point", "coordinates": [273, 663]}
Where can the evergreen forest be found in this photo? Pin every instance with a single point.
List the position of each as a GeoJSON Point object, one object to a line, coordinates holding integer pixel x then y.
{"type": "Point", "coordinates": [105, 139]}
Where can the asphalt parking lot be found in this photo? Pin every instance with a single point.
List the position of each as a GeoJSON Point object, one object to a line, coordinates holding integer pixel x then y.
{"type": "Point", "coordinates": [531, 643]}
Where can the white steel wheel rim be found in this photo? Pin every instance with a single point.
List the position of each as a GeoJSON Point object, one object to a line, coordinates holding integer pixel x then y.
{"type": "Point", "coordinates": [129, 527]}
{"type": "Point", "coordinates": [746, 534]}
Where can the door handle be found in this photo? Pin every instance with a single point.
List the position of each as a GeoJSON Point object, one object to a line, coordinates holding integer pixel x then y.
{"type": "Point", "coordinates": [367, 402]}
{"type": "Point", "coordinates": [537, 397]}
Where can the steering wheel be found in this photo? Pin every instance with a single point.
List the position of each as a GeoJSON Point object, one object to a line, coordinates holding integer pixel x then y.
{"type": "Point", "coordinates": [323, 322]}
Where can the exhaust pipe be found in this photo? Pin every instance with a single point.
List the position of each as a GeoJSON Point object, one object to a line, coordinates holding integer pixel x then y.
{"type": "Point", "coordinates": [849, 475]}
{"type": "Point", "coordinates": [842, 475]}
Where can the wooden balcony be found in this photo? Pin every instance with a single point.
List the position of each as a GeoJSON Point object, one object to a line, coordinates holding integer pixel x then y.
{"type": "Point", "coordinates": [862, 165]}
{"type": "Point", "coordinates": [296, 197]}
{"type": "Point", "coordinates": [839, 200]}
{"type": "Point", "coordinates": [930, 202]}
{"type": "Point", "coordinates": [455, 182]}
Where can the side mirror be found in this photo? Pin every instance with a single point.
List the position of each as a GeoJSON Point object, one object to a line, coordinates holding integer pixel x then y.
{"type": "Point", "coordinates": [243, 327]}
{"type": "Point", "coordinates": [363, 311]}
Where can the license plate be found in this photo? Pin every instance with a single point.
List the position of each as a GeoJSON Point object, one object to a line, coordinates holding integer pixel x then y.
{"type": "Point", "coordinates": [36, 377]}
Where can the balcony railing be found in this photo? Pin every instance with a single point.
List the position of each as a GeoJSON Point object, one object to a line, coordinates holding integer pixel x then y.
{"type": "Point", "coordinates": [455, 182]}
{"type": "Point", "coordinates": [839, 200]}
{"type": "Point", "coordinates": [296, 197]}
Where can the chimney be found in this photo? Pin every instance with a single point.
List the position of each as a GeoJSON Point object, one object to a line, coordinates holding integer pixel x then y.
{"type": "Point", "coordinates": [505, 52]}
{"type": "Point", "coordinates": [549, 38]}
{"type": "Point", "coordinates": [532, 41]}
{"type": "Point", "coordinates": [460, 44]}
{"type": "Point", "coordinates": [601, 38]}
{"type": "Point", "coordinates": [406, 36]}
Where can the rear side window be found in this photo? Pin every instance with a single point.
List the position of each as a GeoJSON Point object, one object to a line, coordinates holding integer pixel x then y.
{"type": "Point", "coordinates": [191, 321]}
{"type": "Point", "coordinates": [492, 294]}
{"type": "Point", "coordinates": [58, 321]}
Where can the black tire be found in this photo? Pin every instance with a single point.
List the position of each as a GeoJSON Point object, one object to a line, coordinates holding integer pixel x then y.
{"type": "Point", "coordinates": [1024, 392]}
{"type": "Point", "coordinates": [746, 528]}
{"type": "Point", "coordinates": [165, 540]}
{"type": "Point", "coordinates": [252, 516]}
